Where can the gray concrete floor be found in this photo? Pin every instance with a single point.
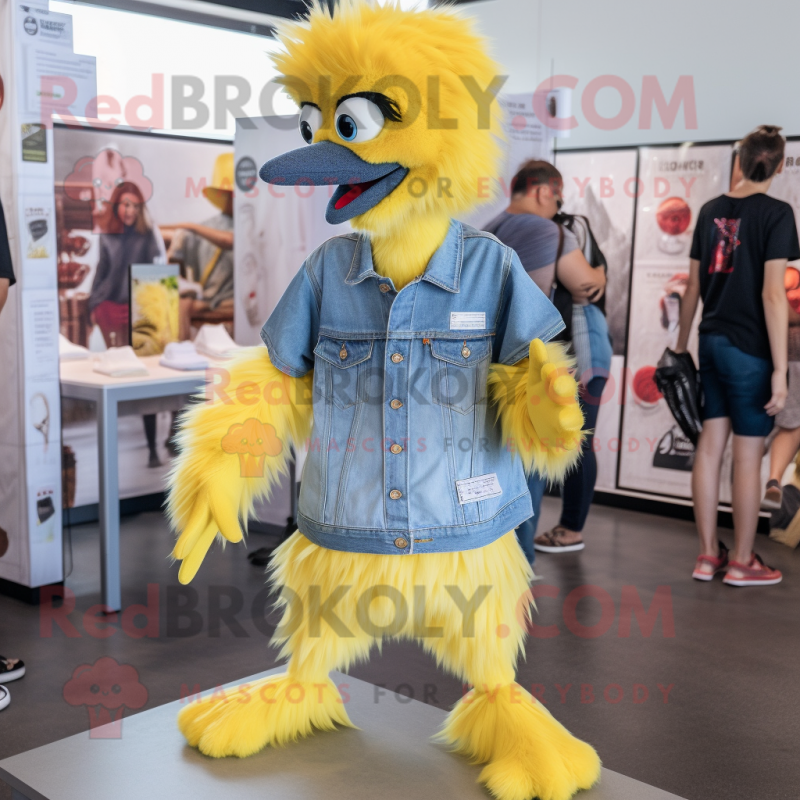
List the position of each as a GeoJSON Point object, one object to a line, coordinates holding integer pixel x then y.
{"type": "Point", "coordinates": [728, 729]}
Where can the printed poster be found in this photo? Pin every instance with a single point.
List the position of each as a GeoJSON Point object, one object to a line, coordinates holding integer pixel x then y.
{"type": "Point", "coordinates": [786, 185]}
{"type": "Point", "coordinates": [154, 307]}
{"type": "Point", "coordinates": [34, 142]}
{"type": "Point", "coordinates": [601, 186]}
{"type": "Point", "coordinates": [674, 183]}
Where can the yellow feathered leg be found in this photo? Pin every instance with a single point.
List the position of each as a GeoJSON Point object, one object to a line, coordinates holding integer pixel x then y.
{"type": "Point", "coordinates": [528, 753]}
{"type": "Point", "coordinates": [316, 635]}
{"type": "Point", "coordinates": [291, 705]}
{"type": "Point", "coordinates": [468, 609]}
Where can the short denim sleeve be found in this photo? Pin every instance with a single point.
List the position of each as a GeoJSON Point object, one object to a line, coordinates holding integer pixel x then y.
{"type": "Point", "coordinates": [525, 314]}
{"type": "Point", "coordinates": [292, 330]}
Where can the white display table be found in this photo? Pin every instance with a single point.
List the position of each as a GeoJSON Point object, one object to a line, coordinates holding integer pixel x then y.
{"type": "Point", "coordinates": [78, 380]}
{"type": "Point", "coordinates": [390, 757]}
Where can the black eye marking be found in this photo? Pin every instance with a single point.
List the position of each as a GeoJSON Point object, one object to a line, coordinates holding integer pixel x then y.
{"type": "Point", "coordinates": [386, 105]}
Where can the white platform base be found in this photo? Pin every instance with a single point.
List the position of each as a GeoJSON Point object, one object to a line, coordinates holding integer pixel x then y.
{"type": "Point", "coordinates": [391, 757]}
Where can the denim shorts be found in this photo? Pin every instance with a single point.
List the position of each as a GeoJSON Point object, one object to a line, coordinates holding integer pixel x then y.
{"type": "Point", "coordinates": [735, 385]}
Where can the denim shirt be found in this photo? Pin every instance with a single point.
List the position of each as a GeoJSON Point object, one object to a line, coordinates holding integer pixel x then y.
{"type": "Point", "coordinates": [406, 455]}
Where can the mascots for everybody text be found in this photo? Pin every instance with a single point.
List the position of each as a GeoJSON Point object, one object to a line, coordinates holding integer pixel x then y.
{"type": "Point", "coordinates": [408, 357]}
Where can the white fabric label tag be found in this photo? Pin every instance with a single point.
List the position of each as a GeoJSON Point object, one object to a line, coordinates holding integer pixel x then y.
{"type": "Point", "coordinates": [470, 490]}
{"type": "Point", "coordinates": [467, 320]}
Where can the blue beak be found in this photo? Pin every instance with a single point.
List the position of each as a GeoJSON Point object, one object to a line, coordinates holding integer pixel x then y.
{"type": "Point", "coordinates": [361, 185]}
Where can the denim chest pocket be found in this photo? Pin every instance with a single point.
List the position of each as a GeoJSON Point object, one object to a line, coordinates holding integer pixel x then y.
{"type": "Point", "coordinates": [340, 369]}
{"type": "Point", "coordinates": [459, 371]}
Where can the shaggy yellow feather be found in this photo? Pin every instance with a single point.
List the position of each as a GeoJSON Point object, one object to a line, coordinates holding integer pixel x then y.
{"type": "Point", "coordinates": [537, 408]}
{"type": "Point", "coordinates": [273, 711]}
{"type": "Point", "coordinates": [233, 447]}
{"type": "Point", "coordinates": [468, 609]}
{"type": "Point", "coordinates": [529, 753]}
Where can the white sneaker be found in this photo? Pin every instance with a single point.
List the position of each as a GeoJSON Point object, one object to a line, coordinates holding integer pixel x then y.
{"type": "Point", "coordinates": [5, 697]}
{"type": "Point", "coordinates": [11, 669]}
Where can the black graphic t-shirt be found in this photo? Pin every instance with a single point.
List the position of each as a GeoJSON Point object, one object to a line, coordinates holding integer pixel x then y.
{"type": "Point", "coordinates": [732, 240]}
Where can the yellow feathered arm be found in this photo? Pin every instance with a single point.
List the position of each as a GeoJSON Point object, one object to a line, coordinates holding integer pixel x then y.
{"type": "Point", "coordinates": [537, 405]}
{"type": "Point", "coordinates": [233, 447]}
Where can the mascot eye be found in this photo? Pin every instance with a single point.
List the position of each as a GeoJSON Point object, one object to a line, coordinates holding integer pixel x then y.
{"type": "Point", "coordinates": [358, 119]}
{"type": "Point", "coordinates": [310, 122]}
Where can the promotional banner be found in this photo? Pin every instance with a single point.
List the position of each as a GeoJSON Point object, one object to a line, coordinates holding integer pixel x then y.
{"type": "Point", "coordinates": [674, 183]}
{"type": "Point", "coordinates": [786, 185]}
{"type": "Point", "coordinates": [601, 186]}
{"type": "Point", "coordinates": [170, 174]}
{"type": "Point", "coordinates": [30, 412]}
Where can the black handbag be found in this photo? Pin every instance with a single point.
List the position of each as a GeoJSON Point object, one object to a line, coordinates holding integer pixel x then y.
{"type": "Point", "coordinates": [678, 380]}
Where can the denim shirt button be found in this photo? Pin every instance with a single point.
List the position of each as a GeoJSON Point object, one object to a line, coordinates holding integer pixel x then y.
{"type": "Point", "coordinates": [395, 404]}
{"type": "Point", "coordinates": [396, 448]}
{"type": "Point", "coordinates": [384, 287]}
{"type": "Point", "coordinates": [395, 494]}
{"type": "Point", "coordinates": [401, 543]}
{"type": "Point", "coordinates": [397, 358]}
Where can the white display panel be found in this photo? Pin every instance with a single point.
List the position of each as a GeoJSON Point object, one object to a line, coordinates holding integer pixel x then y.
{"type": "Point", "coordinates": [30, 453]}
{"type": "Point", "coordinates": [276, 227]}
{"type": "Point", "coordinates": [601, 186]}
{"type": "Point", "coordinates": [607, 442]}
{"type": "Point", "coordinates": [674, 183]}
{"type": "Point", "coordinates": [786, 185]}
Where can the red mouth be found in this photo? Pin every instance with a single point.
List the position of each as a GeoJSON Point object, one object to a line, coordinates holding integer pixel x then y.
{"type": "Point", "coordinates": [355, 190]}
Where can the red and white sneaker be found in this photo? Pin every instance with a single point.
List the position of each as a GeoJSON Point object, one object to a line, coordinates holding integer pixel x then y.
{"type": "Point", "coordinates": [754, 573]}
{"type": "Point", "coordinates": [706, 567]}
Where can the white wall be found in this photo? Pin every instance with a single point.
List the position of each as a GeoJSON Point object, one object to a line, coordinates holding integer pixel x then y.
{"type": "Point", "coordinates": [133, 50]}
{"type": "Point", "coordinates": [734, 90]}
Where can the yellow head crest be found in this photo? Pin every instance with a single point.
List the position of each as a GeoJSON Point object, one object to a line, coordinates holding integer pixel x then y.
{"type": "Point", "coordinates": [410, 94]}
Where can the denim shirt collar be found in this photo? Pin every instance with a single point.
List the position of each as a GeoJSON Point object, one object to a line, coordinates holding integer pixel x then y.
{"type": "Point", "coordinates": [443, 270]}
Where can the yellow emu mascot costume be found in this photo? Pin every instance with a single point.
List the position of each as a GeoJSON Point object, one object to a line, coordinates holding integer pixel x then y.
{"type": "Point", "coordinates": [409, 354]}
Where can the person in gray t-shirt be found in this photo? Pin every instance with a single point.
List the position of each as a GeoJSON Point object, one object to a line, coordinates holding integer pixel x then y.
{"type": "Point", "coordinates": [527, 227]}
{"type": "Point", "coordinates": [536, 241]}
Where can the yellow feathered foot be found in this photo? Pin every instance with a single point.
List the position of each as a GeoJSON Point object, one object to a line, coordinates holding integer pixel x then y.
{"type": "Point", "coordinates": [529, 753]}
{"type": "Point", "coordinates": [273, 711]}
